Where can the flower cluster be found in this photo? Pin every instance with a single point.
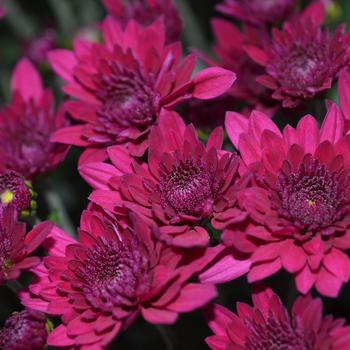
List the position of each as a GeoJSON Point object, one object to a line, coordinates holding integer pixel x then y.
{"type": "Point", "coordinates": [173, 210]}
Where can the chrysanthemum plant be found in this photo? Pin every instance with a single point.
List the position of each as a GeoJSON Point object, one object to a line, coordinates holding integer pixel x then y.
{"type": "Point", "coordinates": [259, 204]}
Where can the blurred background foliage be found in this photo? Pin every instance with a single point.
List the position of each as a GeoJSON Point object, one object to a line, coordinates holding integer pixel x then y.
{"type": "Point", "coordinates": [59, 21]}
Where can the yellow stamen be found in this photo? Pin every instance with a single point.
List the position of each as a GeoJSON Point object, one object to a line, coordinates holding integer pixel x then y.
{"type": "Point", "coordinates": [311, 202]}
{"type": "Point", "coordinates": [6, 197]}
{"type": "Point", "coordinates": [49, 326]}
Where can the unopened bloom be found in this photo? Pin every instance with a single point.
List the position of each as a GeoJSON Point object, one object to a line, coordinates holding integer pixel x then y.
{"type": "Point", "coordinates": [146, 12]}
{"type": "Point", "coordinates": [183, 188]}
{"type": "Point", "coordinates": [14, 190]}
{"type": "Point", "coordinates": [122, 85]}
{"type": "Point", "coordinates": [38, 48]}
{"type": "Point", "coordinates": [303, 59]}
{"type": "Point", "coordinates": [26, 125]}
{"type": "Point", "coordinates": [300, 204]}
{"type": "Point", "coordinates": [16, 245]}
{"type": "Point", "coordinates": [268, 325]}
{"type": "Point", "coordinates": [258, 12]}
{"type": "Point", "coordinates": [100, 285]}
{"type": "Point", "coordinates": [25, 330]}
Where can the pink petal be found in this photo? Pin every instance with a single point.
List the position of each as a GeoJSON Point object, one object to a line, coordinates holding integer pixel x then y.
{"type": "Point", "coordinates": [261, 271]}
{"type": "Point", "coordinates": [327, 284]}
{"type": "Point", "coordinates": [333, 125]}
{"type": "Point", "coordinates": [92, 155]}
{"type": "Point", "coordinates": [97, 175]}
{"type": "Point", "coordinates": [212, 82]}
{"type": "Point", "coordinates": [220, 318]}
{"type": "Point", "coordinates": [63, 63]}
{"type": "Point", "coordinates": [293, 258]}
{"type": "Point", "coordinates": [260, 122]}
{"type": "Point", "coordinates": [188, 299]}
{"type": "Point", "coordinates": [338, 263]}
{"type": "Point", "coordinates": [58, 337]}
{"type": "Point", "coordinates": [37, 235]}
{"type": "Point", "coordinates": [256, 54]}
{"type": "Point", "coordinates": [236, 124]}
{"type": "Point", "coordinates": [315, 12]}
{"type": "Point", "coordinates": [225, 270]}
{"type": "Point", "coordinates": [157, 316]}
{"type": "Point", "coordinates": [27, 81]}
{"type": "Point", "coordinates": [308, 134]}
{"type": "Point", "coordinates": [71, 135]}
{"type": "Point", "coordinates": [344, 92]}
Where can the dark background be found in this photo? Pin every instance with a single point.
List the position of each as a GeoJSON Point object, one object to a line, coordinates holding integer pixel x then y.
{"type": "Point", "coordinates": [25, 21]}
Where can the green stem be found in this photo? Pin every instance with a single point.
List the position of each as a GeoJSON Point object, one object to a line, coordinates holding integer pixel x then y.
{"type": "Point", "coordinates": [54, 202]}
{"type": "Point", "coordinates": [167, 336]}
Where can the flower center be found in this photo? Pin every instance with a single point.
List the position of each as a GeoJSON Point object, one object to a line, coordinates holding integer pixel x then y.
{"type": "Point", "coordinates": [188, 188]}
{"type": "Point", "coordinates": [113, 272]}
{"type": "Point", "coordinates": [128, 100]}
{"type": "Point", "coordinates": [313, 197]}
{"type": "Point", "coordinates": [304, 66]}
{"type": "Point", "coordinates": [275, 334]}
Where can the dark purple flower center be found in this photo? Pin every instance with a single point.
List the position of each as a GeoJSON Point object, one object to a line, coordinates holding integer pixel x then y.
{"type": "Point", "coordinates": [276, 334]}
{"type": "Point", "coordinates": [114, 273]}
{"type": "Point", "coordinates": [303, 66]}
{"type": "Point", "coordinates": [188, 187]}
{"type": "Point", "coordinates": [313, 197]}
{"type": "Point", "coordinates": [24, 330]}
{"type": "Point", "coordinates": [128, 101]}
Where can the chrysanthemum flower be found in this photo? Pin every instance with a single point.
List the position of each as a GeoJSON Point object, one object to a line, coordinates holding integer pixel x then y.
{"type": "Point", "coordinates": [122, 85]}
{"type": "Point", "coordinates": [147, 11]}
{"type": "Point", "coordinates": [300, 205]}
{"type": "Point", "coordinates": [183, 188]}
{"type": "Point", "coordinates": [268, 325]}
{"type": "Point", "coordinates": [25, 330]}
{"type": "Point", "coordinates": [26, 125]}
{"type": "Point", "coordinates": [303, 59]}
{"type": "Point", "coordinates": [232, 56]}
{"type": "Point", "coordinates": [258, 12]}
{"type": "Point", "coordinates": [16, 246]}
{"type": "Point", "coordinates": [15, 191]}
{"type": "Point", "coordinates": [38, 48]}
{"type": "Point", "coordinates": [101, 284]}
{"type": "Point", "coordinates": [344, 96]}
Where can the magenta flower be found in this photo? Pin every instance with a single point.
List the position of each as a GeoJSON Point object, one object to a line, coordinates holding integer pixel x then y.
{"type": "Point", "coordinates": [303, 59]}
{"type": "Point", "coordinates": [344, 96]}
{"type": "Point", "coordinates": [300, 205]}
{"type": "Point", "coordinates": [258, 12]}
{"type": "Point", "coordinates": [146, 12]}
{"type": "Point", "coordinates": [2, 11]}
{"type": "Point", "coordinates": [123, 84]}
{"type": "Point", "coordinates": [232, 56]}
{"type": "Point", "coordinates": [14, 191]}
{"type": "Point", "coordinates": [37, 49]}
{"type": "Point", "coordinates": [101, 284]}
{"type": "Point", "coordinates": [268, 325]}
{"type": "Point", "coordinates": [26, 125]}
{"type": "Point", "coordinates": [16, 246]}
{"type": "Point", "coordinates": [25, 330]}
{"type": "Point", "coordinates": [183, 188]}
